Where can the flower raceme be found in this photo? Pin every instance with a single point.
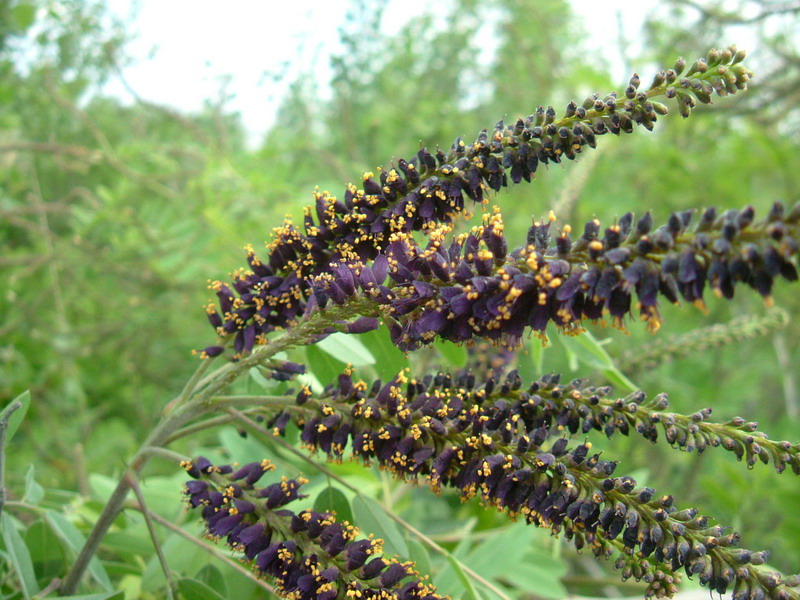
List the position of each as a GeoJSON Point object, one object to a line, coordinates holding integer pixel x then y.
{"type": "Point", "coordinates": [432, 188]}
{"type": "Point", "coordinates": [389, 250]}
{"type": "Point", "coordinates": [474, 288]}
{"type": "Point", "coordinates": [308, 554]}
{"type": "Point", "coordinates": [505, 444]}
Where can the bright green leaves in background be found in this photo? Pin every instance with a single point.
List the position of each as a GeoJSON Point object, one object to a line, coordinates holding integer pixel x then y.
{"type": "Point", "coordinates": [19, 557]}
{"type": "Point", "coordinates": [113, 216]}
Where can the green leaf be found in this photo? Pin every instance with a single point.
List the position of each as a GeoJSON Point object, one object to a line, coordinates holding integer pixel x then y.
{"type": "Point", "coordinates": [101, 486]}
{"type": "Point", "coordinates": [243, 450]}
{"type": "Point", "coordinates": [419, 554]}
{"type": "Point", "coordinates": [15, 420]}
{"type": "Point", "coordinates": [587, 349]}
{"type": "Point", "coordinates": [497, 557]}
{"type": "Point", "coordinates": [23, 15]}
{"type": "Point", "coordinates": [347, 349]}
{"type": "Point", "coordinates": [261, 381]}
{"type": "Point", "coordinates": [47, 555]}
{"type": "Point", "coordinates": [213, 578]}
{"type": "Point", "coordinates": [333, 499]}
{"type": "Point", "coordinates": [389, 359]}
{"type": "Point", "coordinates": [19, 557]}
{"type": "Point", "coordinates": [453, 353]}
{"type": "Point", "coordinates": [371, 518]}
{"type": "Point", "coordinates": [491, 557]}
{"type": "Point", "coordinates": [192, 589]}
{"type": "Point", "coordinates": [541, 573]}
{"type": "Point", "coordinates": [470, 592]}
{"type": "Point", "coordinates": [74, 539]}
{"type": "Point", "coordinates": [134, 541]}
{"type": "Point", "coordinates": [159, 493]}
{"type": "Point", "coordinates": [33, 491]}
{"type": "Point", "coordinates": [537, 349]}
{"type": "Point", "coordinates": [325, 367]}
{"type": "Point", "coordinates": [446, 580]}
{"type": "Point", "coordinates": [183, 556]}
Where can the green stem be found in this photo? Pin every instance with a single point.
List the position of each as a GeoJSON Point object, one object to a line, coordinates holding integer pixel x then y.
{"type": "Point", "coordinates": [202, 425]}
{"type": "Point", "coordinates": [178, 414]}
{"type": "Point", "coordinates": [116, 502]}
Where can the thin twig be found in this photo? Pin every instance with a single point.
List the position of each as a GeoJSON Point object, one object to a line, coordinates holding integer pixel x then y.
{"type": "Point", "coordinates": [225, 402]}
{"type": "Point", "coordinates": [80, 470]}
{"type": "Point", "coordinates": [734, 18]}
{"type": "Point", "coordinates": [24, 259]}
{"type": "Point", "coordinates": [172, 589]}
{"type": "Point", "coordinates": [84, 154]}
{"type": "Point", "coordinates": [202, 425]}
{"type": "Point", "coordinates": [180, 416]}
{"type": "Point", "coordinates": [107, 150]}
{"type": "Point", "coordinates": [164, 110]}
{"type": "Point", "coordinates": [212, 550]}
{"type": "Point", "coordinates": [157, 451]}
{"type": "Point", "coordinates": [191, 385]}
{"type": "Point", "coordinates": [255, 427]}
{"type": "Point", "coordinates": [63, 324]}
{"type": "Point", "coordinates": [51, 587]}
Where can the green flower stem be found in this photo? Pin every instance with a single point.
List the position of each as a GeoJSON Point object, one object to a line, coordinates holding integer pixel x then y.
{"type": "Point", "coordinates": [168, 455]}
{"type": "Point", "coordinates": [116, 502]}
{"type": "Point", "coordinates": [661, 573]}
{"type": "Point", "coordinates": [197, 402]}
{"type": "Point", "coordinates": [205, 424]}
{"type": "Point", "coordinates": [224, 402]}
{"type": "Point", "coordinates": [737, 436]}
{"type": "Point", "coordinates": [677, 87]}
{"type": "Point", "coordinates": [300, 334]}
{"type": "Point", "coordinates": [192, 385]}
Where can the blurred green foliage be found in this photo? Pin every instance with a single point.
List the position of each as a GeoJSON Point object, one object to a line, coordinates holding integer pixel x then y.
{"type": "Point", "coordinates": [113, 216]}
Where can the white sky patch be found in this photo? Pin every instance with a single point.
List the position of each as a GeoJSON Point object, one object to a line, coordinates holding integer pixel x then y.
{"type": "Point", "coordinates": [183, 50]}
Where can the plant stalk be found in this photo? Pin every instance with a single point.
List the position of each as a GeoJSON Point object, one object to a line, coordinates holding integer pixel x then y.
{"type": "Point", "coordinates": [196, 399]}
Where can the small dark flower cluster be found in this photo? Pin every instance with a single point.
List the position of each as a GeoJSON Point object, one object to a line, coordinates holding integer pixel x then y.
{"type": "Point", "coordinates": [309, 555]}
{"type": "Point", "coordinates": [577, 408]}
{"type": "Point", "coordinates": [475, 288]}
{"type": "Point", "coordinates": [430, 189]}
{"type": "Point", "coordinates": [694, 433]}
{"type": "Point", "coordinates": [497, 442]}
